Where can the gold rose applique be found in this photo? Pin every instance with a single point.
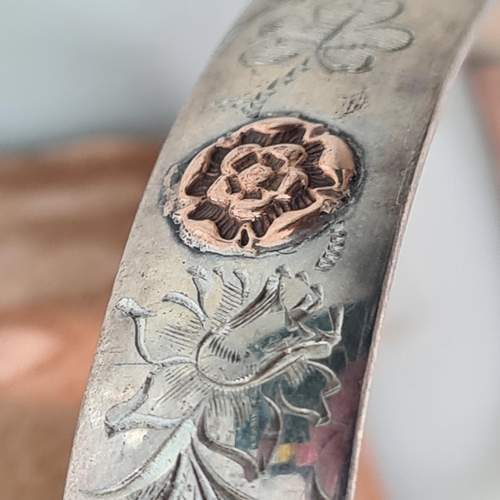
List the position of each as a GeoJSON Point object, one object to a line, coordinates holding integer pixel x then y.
{"type": "Point", "coordinates": [268, 185]}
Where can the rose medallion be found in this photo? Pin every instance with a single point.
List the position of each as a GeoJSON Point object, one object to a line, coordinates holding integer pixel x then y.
{"type": "Point", "coordinates": [268, 185]}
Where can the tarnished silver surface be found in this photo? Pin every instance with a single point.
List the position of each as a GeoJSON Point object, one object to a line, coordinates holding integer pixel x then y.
{"type": "Point", "coordinates": [237, 349]}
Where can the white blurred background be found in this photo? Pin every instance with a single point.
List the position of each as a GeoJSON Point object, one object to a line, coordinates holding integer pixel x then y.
{"type": "Point", "coordinates": [81, 69]}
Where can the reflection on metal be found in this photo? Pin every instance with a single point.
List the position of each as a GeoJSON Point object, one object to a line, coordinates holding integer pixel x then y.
{"type": "Point", "coordinates": [234, 365]}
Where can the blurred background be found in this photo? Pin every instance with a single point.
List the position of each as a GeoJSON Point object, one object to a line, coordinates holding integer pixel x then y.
{"type": "Point", "coordinates": [88, 91]}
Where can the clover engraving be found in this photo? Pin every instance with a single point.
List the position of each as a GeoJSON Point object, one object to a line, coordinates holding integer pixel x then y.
{"type": "Point", "coordinates": [343, 36]}
{"type": "Point", "coordinates": [266, 186]}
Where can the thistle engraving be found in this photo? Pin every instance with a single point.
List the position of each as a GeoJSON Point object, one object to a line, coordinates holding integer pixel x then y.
{"type": "Point", "coordinates": [342, 36]}
{"type": "Point", "coordinates": [237, 366]}
{"type": "Point", "coordinates": [267, 186]}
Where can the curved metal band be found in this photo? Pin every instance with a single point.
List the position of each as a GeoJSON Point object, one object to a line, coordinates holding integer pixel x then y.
{"type": "Point", "coordinates": [236, 354]}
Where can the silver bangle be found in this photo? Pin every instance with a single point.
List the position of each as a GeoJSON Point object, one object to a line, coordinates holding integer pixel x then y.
{"type": "Point", "coordinates": [238, 347]}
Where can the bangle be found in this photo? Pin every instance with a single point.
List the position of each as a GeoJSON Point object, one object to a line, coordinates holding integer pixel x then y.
{"type": "Point", "coordinates": [238, 347]}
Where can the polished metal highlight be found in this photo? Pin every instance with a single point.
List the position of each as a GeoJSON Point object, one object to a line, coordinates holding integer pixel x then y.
{"type": "Point", "coordinates": [235, 357]}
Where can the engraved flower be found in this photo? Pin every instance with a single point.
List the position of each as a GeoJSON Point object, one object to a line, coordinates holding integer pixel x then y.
{"type": "Point", "coordinates": [240, 363]}
{"type": "Point", "coordinates": [270, 184]}
{"type": "Point", "coordinates": [343, 36]}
